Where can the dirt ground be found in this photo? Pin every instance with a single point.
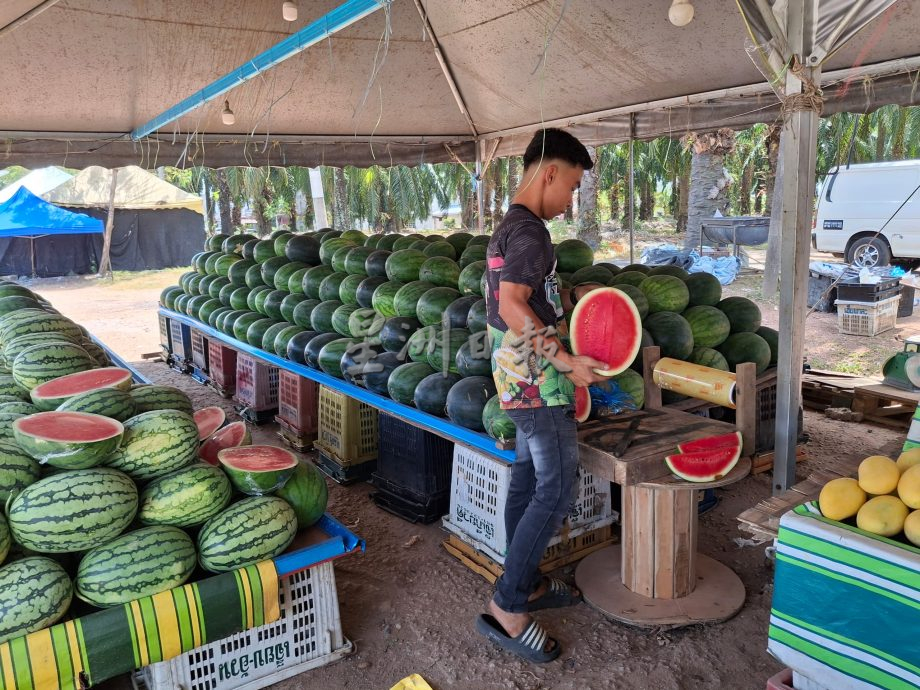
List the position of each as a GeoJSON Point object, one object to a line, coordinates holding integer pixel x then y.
{"type": "Point", "coordinates": [410, 608]}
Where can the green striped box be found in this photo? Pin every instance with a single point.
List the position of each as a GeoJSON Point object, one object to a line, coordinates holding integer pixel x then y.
{"type": "Point", "coordinates": [846, 605]}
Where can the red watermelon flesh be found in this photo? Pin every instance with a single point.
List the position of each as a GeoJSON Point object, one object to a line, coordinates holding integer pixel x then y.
{"type": "Point", "coordinates": [68, 440]}
{"type": "Point", "coordinates": [582, 403]}
{"type": "Point", "coordinates": [257, 470]}
{"type": "Point", "coordinates": [605, 325]}
{"type": "Point", "coordinates": [209, 420]}
{"type": "Point", "coordinates": [51, 394]}
{"type": "Point", "coordinates": [731, 440]}
{"type": "Point", "coordinates": [705, 465]}
{"type": "Point", "coordinates": [231, 436]}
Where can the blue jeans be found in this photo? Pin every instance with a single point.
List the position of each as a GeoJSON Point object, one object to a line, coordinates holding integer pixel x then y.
{"type": "Point", "coordinates": [542, 486]}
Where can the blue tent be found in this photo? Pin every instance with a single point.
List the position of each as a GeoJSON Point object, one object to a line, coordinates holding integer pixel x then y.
{"type": "Point", "coordinates": [25, 215]}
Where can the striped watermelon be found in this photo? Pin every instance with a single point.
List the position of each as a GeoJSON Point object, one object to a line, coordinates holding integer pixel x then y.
{"type": "Point", "coordinates": [6, 425]}
{"type": "Point", "coordinates": [18, 470]}
{"type": "Point", "coordinates": [187, 497]}
{"type": "Point", "coordinates": [149, 397]}
{"type": "Point", "coordinates": [307, 493]}
{"type": "Point", "coordinates": [5, 539]}
{"type": "Point", "coordinates": [51, 395]}
{"type": "Point", "coordinates": [257, 470]}
{"type": "Point", "coordinates": [232, 435]}
{"type": "Point", "coordinates": [8, 386]}
{"type": "Point", "coordinates": [108, 402]}
{"type": "Point", "coordinates": [18, 407]}
{"type": "Point", "coordinates": [68, 440]}
{"type": "Point", "coordinates": [17, 345]}
{"type": "Point", "coordinates": [41, 363]}
{"type": "Point", "coordinates": [208, 420]}
{"type": "Point", "coordinates": [137, 564]}
{"type": "Point", "coordinates": [38, 322]}
{"type": "Point", "coordinates": [156, 443]}
{"type": "Point", "coordinates": [252, 530]}
{"type": "Point", "coordinates": [73, 511]}
{"type": "Point", "coordinates": [34, 593]}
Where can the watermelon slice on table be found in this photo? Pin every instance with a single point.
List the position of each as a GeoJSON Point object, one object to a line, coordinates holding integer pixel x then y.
{"type": "Point", "coordinates": [731, 440]}
{"type": "Point", "coordinates": [68, 440]}
{"type": "Point", "coordinates": [704, 465]}
{"type": "Point", "coordinates": [233, 435]}
{"type": "Point", "coordinates": [51, 394]}
{"type": "Point", "coordinates": [257, 470]}
{"type": "Point", "coordinates": [209, 420]}
{"type": "Point", "coordinates": [582, 403]}
{"type": "Point", "coordinates": [605, 325]}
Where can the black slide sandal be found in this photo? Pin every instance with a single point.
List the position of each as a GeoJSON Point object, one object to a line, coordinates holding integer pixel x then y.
{"type": "Point", "coordinates": [557, 595]}
{"type": "Point", "coordinates": [529, 645]}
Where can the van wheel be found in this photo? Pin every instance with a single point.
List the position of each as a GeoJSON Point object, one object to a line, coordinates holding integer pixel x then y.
{"type": "Point", "coordinates": [869, 252]}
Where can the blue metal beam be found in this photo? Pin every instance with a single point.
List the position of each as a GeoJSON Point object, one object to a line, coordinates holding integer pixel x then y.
{"type": "Point", "coordinates": [342, 16]}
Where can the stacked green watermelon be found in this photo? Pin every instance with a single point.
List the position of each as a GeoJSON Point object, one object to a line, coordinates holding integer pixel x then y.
{"type": "Point", "coordinates": [107, 493]}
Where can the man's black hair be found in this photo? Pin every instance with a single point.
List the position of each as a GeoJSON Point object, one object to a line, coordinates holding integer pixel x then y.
{"type": "Point", "coordinates": [549, 144]}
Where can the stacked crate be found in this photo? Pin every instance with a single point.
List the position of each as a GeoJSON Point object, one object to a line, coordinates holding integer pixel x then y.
{"type": "Point", "coordinates": [298, 409]}
{"type": "Point", "coordinates": [346, 441]}
{"type": "Point", "coordinates": [221, 368]}
{"type": "Point", "coordinates": [256, 389]}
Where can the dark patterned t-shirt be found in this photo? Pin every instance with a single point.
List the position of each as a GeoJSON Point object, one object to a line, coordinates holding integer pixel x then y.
{"type": "Point", "coordinates": [521, 252]}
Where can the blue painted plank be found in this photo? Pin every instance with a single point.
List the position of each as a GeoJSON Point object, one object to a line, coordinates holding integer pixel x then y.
{"type": "Point", "coordinates": [341, 541]}
{"type": "Point", "coordinates": [443, 427]}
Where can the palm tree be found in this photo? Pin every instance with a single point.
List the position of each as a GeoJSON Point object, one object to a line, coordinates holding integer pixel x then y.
{"type": "Point", "coordinates": [707, 179]}
{"type": "Point", "coordinates": [589, 228]}
{"type": "Point", "coordinates": [612, 164]}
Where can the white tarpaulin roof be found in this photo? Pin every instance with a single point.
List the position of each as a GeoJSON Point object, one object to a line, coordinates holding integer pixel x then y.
{"type": "Point", "coordinates": [82, 74]}
{"type": "Point", "coordinates": [38, 182]}
{"type": "Point", "coordinates": [134, 189]}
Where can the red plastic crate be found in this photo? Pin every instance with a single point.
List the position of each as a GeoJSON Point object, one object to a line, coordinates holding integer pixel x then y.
{"type": "Point", "coordinates": [256, 384]}
{"type": "Point", "coordinates": [781, 681]}
{"type": "Point", "coordinates": [222, 366]}
{"type": "Point", "coordinates": [298, 402]}
{"type": "Point", "coordinates": [200, 350]}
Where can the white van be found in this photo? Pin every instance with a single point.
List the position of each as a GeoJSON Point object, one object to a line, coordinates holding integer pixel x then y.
{"type": "Point", "coordinates": [855, 202]}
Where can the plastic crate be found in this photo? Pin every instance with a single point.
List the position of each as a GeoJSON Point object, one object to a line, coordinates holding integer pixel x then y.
{"type": "Point", "coordinates": [868, 292]}
{"type": "Point", "coordinates": [165, 337]}
{"type": "Point", "coordinates": [412, 459]}
{"type": "Point", "coordinates": [867, 318]}
{"type": "Point", "coordinates": [821, 293]}
{"type": "Point", "coordinates": [200, 351]}
{"type": "Point", "coordinates": [222, 366]}
{"type": "Point", "coordinates": [181, 340]}
{"type": "Point", "coordinates": [347, 428]}
{"type": "Point", "coordinates": [308, 635]}
{"type": "Point", "coordinates": [781, 681]}
{"type": "Point", "coordinates": [479, 492]}
{"type": "Point", "coordinates": [298, 403]}
{"type": "Point", "coordinates": [394, 498]}
{"type": "Point", "coordinates": [256, 384]}
{"type": "Point", "coordinates": [906, 302]}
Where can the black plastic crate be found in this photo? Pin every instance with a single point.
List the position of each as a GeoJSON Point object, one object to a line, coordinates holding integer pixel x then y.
{"type": "Point", "coordinates": [906, 305]}
{"type": "Point", "coordinates": [821, 292]}
{"type": "Point", "coordinates": [868, 292]}
{"type": "Point", "coordinates": [412, 458]}
{"type": "Point", "coordinates": [409, 505]}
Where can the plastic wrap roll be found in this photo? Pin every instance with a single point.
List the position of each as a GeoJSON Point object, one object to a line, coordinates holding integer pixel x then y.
{"type": "Point", "coordinates": [695, 381]}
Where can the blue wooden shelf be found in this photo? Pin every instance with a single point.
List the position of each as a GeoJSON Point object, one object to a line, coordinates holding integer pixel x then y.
{"type": "Point", "coordinates": [442, 427]}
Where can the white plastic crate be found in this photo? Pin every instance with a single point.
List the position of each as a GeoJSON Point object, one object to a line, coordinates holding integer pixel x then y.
{"type": "Point", "coordinates": [308, 635]}
{"type": "Point", "coordinates": [867, 318]}
{"type": "Point", "coordinates": [479, 492]}
{"type": "Point", "coordinates": [256, 383]}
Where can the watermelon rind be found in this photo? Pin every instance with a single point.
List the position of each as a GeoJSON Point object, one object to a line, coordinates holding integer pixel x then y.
{"type": "Point", "coordinates": [208, 420]}
{"type": "Point", "coordinates": [156, 443]}
{"type": "Point", "coordinates": [138, 564]}
{"type": "Point", "coordinates": [108, 402]}
{"type": "Point", "coordinates": [186, 497]}
{"type": "Point", "coordinates": [307, 493]}
{"type": "Point", "coordinates": [704, 466]}
{"type": "Point", "coordinates": [151, 397]}
{"type": "Point", "coordinates": [230, 436]}
{"type": "Point", "coordinates": [257, 470]}
{"type": "Point", "coordinates": [590, 318]}
{"type": "Point", "coordinates": [496, 421]}
{"type": "Point", "coordinates": [49, 589]}
{"type": "Point", "coordinates": [253, 530]}
{"type": "Point", "coordinates": [73, 511]}
{"type": "Point", "coordinates": [41, 363]}
{"type": "Point", "coordinates": [18, 470]}
{"type": "Point", "coordinates": [58, 438]}
{"type": "Point", "coordinates": [50, 395]}
{"type": "Point", "coordinates": [582, 404]}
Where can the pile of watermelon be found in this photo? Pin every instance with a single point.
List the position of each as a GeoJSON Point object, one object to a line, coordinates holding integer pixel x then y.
{"type": "Point", "coordinates": [115, 491]}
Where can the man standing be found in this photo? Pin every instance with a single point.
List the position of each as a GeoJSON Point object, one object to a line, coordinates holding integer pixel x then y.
{"type": "Point", "coordinates": [535, 378]}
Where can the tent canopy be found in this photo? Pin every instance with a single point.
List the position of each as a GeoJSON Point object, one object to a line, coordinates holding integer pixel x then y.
{"type": "Point", "coordinates": [25, 215]}
{"type": "Point", "coordinates": [135, 189]}
{"type": "Point", "coordinates": [38, 182]}
{"type": "Point", "coordinates": [376, 93]}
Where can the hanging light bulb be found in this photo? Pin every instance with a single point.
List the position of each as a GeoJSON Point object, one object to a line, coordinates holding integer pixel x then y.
{"type": "Point", "coordinates": [289, 11]}
{"type": "Point", "coordinates": [681, 12]}
{"type": "Point", "coordinates": [226, 115]}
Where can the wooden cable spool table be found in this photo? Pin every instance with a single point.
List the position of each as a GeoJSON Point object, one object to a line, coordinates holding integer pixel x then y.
{"type": "Point", "coordinates": [657, 577]}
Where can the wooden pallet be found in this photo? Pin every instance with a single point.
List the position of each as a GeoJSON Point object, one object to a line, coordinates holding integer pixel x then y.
{"type": "Point", "coordinates": [559, 555]}
{"type": "Point", "coordinates": [763, 462]}
{"type": "Point", "coordinates": [823, 389]}
{"type": "Point", "coordinates": [886, 405]}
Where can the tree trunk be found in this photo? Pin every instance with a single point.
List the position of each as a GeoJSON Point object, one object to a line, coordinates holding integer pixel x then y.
{"type": "Point", "coordinates": [880, 140]}
{"type": "Point", "coordinates": [646, 200]}
{"type": "Point", "coordinates": [772, 144]}
{"type": "Point", "coordinates": [747, 181]}
{"type": "Point", "coordinates": [223, 202]}
{"type": "Point", "coordinates": [292, 212]}
{"type": "Point", "coordinates": [614, 194]}
{"type": "Point", "coordinates": [569, 215]}
{"type": "Point", "coordinates": [708, 181]}
{"type": "Point", "coordinates": [683, 202]}
{"type": "Point", "coordinates": [514, 175]}
{"type": "Point", "coordinates": [468, 211]}
{"type": "Point", "coordinates": [105, 264]}
{"type": "Point", "coordinates": [673, 201]}
{"type": "Point", "coordinates": [771, 266]}
{"type": "Point", "coordinates": [236, 217]}
{"type": "Point", "coordinates": [498, 188]}
{"type": "Point", "coordinates": [341, 215]}
{"type": "Point", "coordinates": [260, 208]}
{"type": "Point", "coordinates": [589, 227]}
{"type": "Point", "coordinates": [488, 189]}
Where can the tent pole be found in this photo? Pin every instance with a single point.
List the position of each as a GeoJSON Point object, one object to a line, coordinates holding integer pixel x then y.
{"type": "Point", "coordinates": [632, 188]}
{"type": "Point", "coordinates": [480, 199]}
{"type": "Point", "coordinates": [105, 264]}
{"type": "Point", "coordinates": [320, 219]}
{"type": "Point", "coordinates": [32, 251]}
{"type": "Point", "coordinates": [798, 150]}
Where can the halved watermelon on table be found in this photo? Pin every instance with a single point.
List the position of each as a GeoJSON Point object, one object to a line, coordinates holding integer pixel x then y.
{"type": "Point", "coordinates": [706, 459]}
{"type": "Point", "coordinates": [233, 435]}
{"type": "Point", "coordinates": [257, 470]}
{"type": "Point", "coordinates": [605, 325]}
{"type": "Point", "coordinates": [730, 440]}
{"type": "Point", "coordinates": [51, 394]}
{"type": "Point", "coordinates": [208, 420]}
{"type": "Point", "coordinates": [68, 440]}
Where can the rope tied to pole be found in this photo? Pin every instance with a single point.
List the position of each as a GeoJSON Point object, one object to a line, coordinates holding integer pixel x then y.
{"type": "Point", "coordinates": [811, 97]}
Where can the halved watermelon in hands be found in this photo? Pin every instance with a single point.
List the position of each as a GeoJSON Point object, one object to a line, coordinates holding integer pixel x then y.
{"type": "Point", "coordinates": [605, 325]}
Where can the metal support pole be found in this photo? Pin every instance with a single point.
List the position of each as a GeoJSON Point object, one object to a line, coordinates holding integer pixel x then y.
{"type": "Point", "coordinates": [320, 220]}
{"type": "Point", "coordinates": [632, 188]}
{"type": "Point", "coordinates": [799, 145]}
{"type": "Point", "coordinates": [480, 199]}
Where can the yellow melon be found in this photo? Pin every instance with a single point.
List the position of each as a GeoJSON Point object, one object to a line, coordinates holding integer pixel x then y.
{"type": "Point", "coordinates": [912, 528]}
{"type": "Point", "coordinates": [882, 515]}
{"type": "Point", "coordinates": [841, 498]}
{"type": "Point", "coordinates": [878, 475]}
{"type": "Point", "coordinates": [909, 487]}
{"type": "Point", "coordinates": [908, 459]}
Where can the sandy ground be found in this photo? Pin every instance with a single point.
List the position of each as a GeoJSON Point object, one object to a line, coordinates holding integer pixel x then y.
{"type": "Point", "coordinates": [410, 608]}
